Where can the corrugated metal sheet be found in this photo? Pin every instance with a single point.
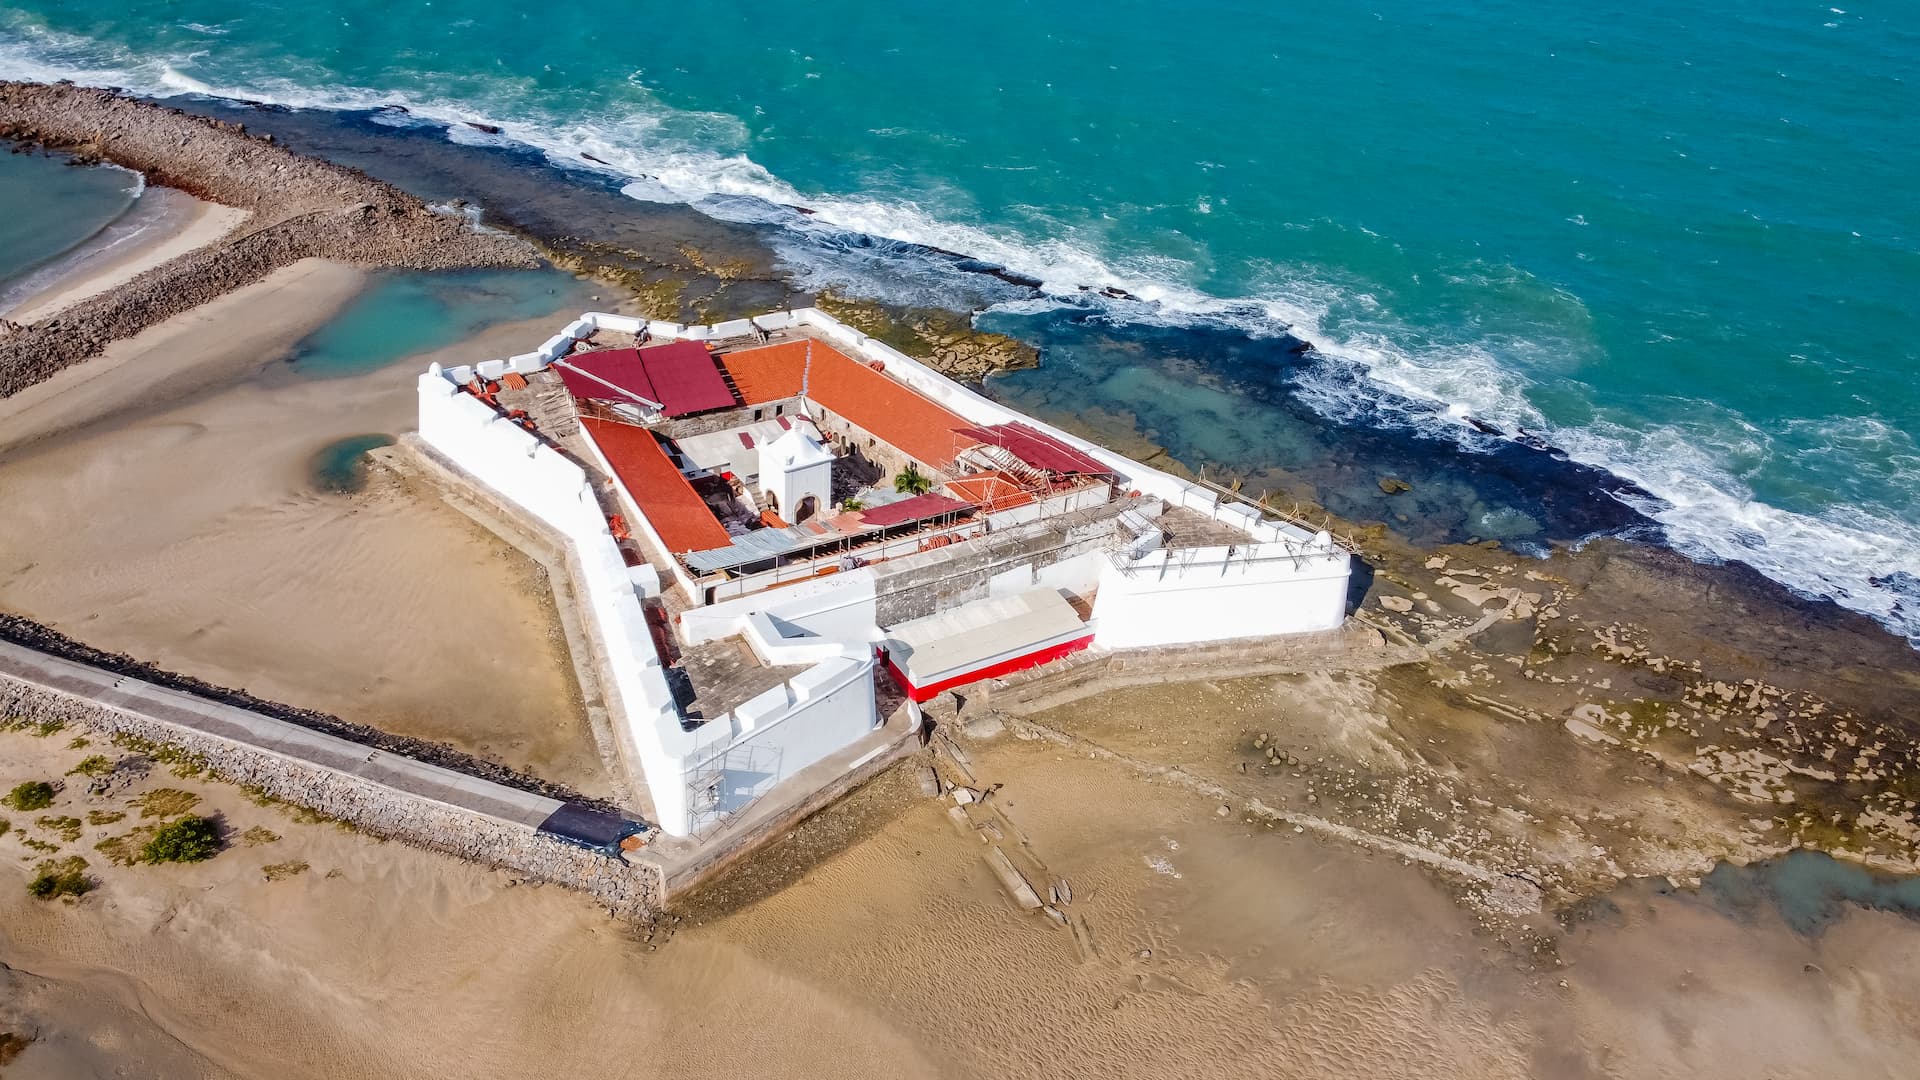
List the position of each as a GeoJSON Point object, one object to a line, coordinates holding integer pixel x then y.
{"type": "Point", "coordinates": [918, 508]}
{"type": "Point", "coordinates": [1037, 448]}
{"type": "Point", "coordinates": [759, 545]}
{"type": "Point", "coordinates": [680, 376]}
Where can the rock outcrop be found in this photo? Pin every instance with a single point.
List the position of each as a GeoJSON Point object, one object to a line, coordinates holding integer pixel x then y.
{"type": "Point", "coordinates": [299, 208]}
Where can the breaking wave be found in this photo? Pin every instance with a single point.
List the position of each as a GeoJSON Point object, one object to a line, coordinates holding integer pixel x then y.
{"type": "Point", "coordinates": [1862, 558]}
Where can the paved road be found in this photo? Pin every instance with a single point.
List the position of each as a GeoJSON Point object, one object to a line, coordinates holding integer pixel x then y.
{"type": "Point", "coordinates": [278, 737]}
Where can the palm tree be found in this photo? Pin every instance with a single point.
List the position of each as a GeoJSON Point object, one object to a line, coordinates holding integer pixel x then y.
{"type": "Point", "coordinates": [912, 481]}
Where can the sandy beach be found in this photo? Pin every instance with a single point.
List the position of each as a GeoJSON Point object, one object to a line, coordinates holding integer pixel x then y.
{"type": "Point", "coordinates": [1218, 948]}
{"type": "Point", "coordinates": [193, 535]}
{"type": "Point", "coordinates": [171, 223]}
{"type": "Point", "coordinates": [1460, 848]}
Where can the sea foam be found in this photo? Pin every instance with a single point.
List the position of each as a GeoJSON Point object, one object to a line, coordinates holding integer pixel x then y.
{"type": "Point", "coordinates": [1852, 555]}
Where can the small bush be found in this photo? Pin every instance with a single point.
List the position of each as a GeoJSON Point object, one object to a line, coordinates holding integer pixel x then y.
{"type": "Point", "coordinates": [103, 817]}
{"type": "Point", "coordinates": [191, 839]}
{"type": "Point", "coordinates": [282, 870]}
{"type": "Point", "coordinates": [67, 877]}
{"type": "Point", "coordinates": [68, 828]}
{"type": "Point", "coordinates": [32, 795]}
{"type": "Point", "coordinates": [258, 835]}
{"type": "Point", "coordinates": [93, 765]}
{"type": "Point", "coordinates": [258, 795]}
{"type": "Point", "coordinates": [79, 742]}
{"type": "Point", "coordinates": [124, 849]}
{"type": "Point", "coordinates": [134, 743]}
{"type": "Point", "coordinates": [4, 826]}
{"type": "Point", "coordinates": [38, 844]}
{"type": "Point", "coordinates": [166, 802]}
{"type": "Point", "coordinates": [307, 815]}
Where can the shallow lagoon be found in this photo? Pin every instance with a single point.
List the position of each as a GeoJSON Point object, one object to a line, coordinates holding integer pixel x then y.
{"type": "Point", "coordinates": [53, 208]}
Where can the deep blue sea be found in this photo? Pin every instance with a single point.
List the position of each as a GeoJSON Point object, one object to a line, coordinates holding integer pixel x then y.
{"type": "Point", "coordinates": [1679, 242]}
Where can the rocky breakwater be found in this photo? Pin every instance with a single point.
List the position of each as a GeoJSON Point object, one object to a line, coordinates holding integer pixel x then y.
{"type": "Point", "coordinates": [299, 208]}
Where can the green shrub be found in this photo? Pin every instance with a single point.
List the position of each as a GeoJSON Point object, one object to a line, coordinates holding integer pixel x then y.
{"type": "Point", "coordinates": [166, 802]}
{"type": "Point", "coordinates": [68, 828]}
{"type": "Point", "coordinates": [281, 871]}
{"type": "Point", "coordinates": [93, 765]}
{"type": "Point", "coordinates": [911, 481]}
{"type": "Point", "coordinates": [103, 817]}
{"type": "Point", "coordinates": [124, 849]}
{"type": "Point", "coordinates": [32, 795]}
{"type": "Point", "coordinates": [191, 839]}
{"type": "Point", "coordinates": [67, 877]}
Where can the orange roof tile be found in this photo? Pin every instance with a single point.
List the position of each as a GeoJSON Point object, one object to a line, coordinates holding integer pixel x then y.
{"type": "Point", "coordinates": [994, 490]}
{"type": "Point", "coordinates": [889, 410]}
{"type": "Point", "coordinates": [672, 507]}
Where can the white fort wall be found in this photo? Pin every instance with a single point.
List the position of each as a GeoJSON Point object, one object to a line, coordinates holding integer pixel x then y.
{"type": "Point", "coordinates": [1183, 596]}
{"type": "Point", "coordinates": [1303, 591]}
{"type": "Point", "coordinates": [780, 732]}
{"type": "Point", "coordinates": [1293, 580]}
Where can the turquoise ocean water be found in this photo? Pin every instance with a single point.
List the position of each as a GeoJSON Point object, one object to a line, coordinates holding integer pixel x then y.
{"type": "Point", "coordinates": [1681, 243]}
{"type": "Point", "coordinates": [69, 207]}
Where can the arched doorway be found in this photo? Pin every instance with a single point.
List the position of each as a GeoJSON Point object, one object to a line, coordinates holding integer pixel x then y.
{"type": "Point", "coordinates": [809, 506]}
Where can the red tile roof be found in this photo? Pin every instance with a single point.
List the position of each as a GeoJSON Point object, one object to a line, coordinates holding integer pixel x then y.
{"type": "Point", "coordinates": [991, 490]}
{"type": "Point", "coordinates": [680, 376]}
{"type": "Point", "coordinates": [670, 504]}
{"type": "Point", "coordinates": [886, 409]}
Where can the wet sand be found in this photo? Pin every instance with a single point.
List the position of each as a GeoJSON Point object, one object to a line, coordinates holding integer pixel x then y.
{"type": "Point", "coordinates": [180, 523]}
{"type": "Point", "coordinates": [234, 336]}
{"type": "Point", "coordinates": [175, 223]}
{"type": "Point", "coordinates": [1220, 950]}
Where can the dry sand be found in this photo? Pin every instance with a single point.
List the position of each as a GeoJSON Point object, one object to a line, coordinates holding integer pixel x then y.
{"type": "Point", "coordinates": [191, 535]}
{"type": "Point", "coordinates": [1221, 950]}
{"type": "Point", "coordinates": [236, 335]}
{"type": "Point", "coordinates": [175, 223]}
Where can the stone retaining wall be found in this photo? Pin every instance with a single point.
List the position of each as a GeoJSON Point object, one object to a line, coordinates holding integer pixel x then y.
{"type": "Point", "coordinates": [630, 891]}
{"type": "Point", "coordinates": [33, 635]}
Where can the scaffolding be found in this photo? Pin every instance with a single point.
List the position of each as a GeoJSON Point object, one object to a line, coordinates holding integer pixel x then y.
{"type": "Point", "coordinates": [729, 783]}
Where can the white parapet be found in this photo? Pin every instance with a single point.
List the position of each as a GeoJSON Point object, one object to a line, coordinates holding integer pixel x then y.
{"type": "Point", "coordinates": [1289, 580]}
{"type": "Point", "coordinates": [1176, 596]}
{"type": "Point", "coordinates": [779, 733]}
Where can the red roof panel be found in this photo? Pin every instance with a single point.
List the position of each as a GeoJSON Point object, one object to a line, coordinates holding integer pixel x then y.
{"type": "Point", "coordinates": [917, 508]}
{"type": "Point", "coordinates": [672, 507]}
{"type": "Point", "coordinates": [681, 376]}
{"type": "Point", "coordinates": [1037, 448]}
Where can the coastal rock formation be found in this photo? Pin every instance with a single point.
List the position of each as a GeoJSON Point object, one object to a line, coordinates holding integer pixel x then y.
{"type": "Point", "coordinates": [945, 340]}
{"type": "Point", "coordinates": [300, 208]}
